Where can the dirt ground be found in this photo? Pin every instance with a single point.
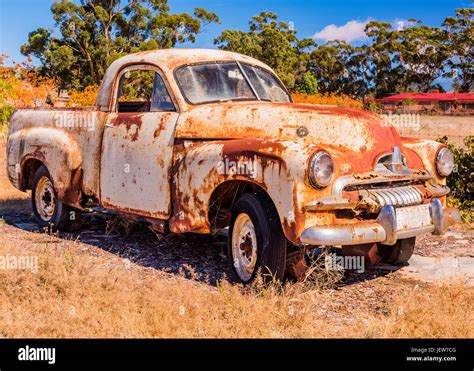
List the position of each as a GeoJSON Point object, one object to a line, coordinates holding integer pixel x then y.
{"type": "Point", "coordinates": [115, 279]}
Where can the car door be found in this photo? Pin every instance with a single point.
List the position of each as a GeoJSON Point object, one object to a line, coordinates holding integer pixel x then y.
{"type": "Point", "coordinates": [137, 146]}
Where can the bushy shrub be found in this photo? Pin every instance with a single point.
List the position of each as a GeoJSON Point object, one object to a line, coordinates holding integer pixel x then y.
{"type": "Point", "coordinates": [6, 111]}
{"type": "Point", "coordinates": [373, 106]}
{"type": "Point", "coordinates": [85, 98]}
{"type": "Point", "coordinates": [307, 85]}
{"type": "Point", "coordinates": [461, 180]}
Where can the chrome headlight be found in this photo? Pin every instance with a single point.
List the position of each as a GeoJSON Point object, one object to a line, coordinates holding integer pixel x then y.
{"type": "Point", "coordinates": [321, 169]}
{"type": "Point", "coordinates": [444, 162]}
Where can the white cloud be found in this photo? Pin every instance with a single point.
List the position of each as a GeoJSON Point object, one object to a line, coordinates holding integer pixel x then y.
{"type": "Point", "coordinates": [351, 31]}
{"type": "Point", "coordinates": [400, 24]}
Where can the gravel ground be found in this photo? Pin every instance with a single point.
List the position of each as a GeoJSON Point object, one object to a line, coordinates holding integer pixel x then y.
{"type": "Point", "coordinates": [459, 241]}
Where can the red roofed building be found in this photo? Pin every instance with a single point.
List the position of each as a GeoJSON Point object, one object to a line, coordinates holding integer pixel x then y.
{"type": "Point", "coordinates": [447, 103]}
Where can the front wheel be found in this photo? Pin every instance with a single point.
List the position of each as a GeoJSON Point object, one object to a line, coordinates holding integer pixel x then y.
{"type": "Point", "coordinates": [48, 210]}
{"type": "Point", "coordinates": [398, 254]}
{"type": "Point", "coordinates": [256, 240]}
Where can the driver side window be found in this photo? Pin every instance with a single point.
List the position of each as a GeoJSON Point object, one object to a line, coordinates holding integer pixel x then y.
{"type": "Point", "coordinates": [143, 91]}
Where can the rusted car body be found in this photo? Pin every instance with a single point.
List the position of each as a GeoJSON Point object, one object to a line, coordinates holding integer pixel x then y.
{"type": "Point", "coordinates": [185, 168]}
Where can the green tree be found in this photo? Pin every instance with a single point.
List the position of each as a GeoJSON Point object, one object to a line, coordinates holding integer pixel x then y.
{"type": "Point", "coordinates": [93, 33]}
{"type": "Point", "coordinates": [359, 83]}
{"type": "Point", "coordinates": [340, 68]}
{"type": "Point", "coordinates": [460, 41]}
{"type": "Point", "coordinates": [274, 43]}
{"type": "Point", "coordinates": [423, 54]}
{"type": "Point", "coordinates": [385, 68]}
{"type": "Point", "coordinates": [328, 63]}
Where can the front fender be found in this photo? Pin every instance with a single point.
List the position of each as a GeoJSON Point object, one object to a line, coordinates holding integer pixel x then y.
{"type": "Point", "coordinates": [427, 150]}
{"type": "Point", "coordinates": [200, 167]}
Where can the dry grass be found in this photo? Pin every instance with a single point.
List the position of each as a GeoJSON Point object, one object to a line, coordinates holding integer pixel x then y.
{"type": "Point", "coordinates": [3, 132]}
{"type": "Point", "coordinates": [82, 291]}
{"type": "Point", "coordinates": [10, 198]}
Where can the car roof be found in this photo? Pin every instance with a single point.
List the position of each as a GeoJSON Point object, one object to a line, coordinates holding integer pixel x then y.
{"type": "Point", "coordinates": [172, 58]}
{"type": "Point", "coordinates": [167, 60]}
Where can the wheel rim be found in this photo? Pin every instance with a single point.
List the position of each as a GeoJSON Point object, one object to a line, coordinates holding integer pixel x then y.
{"type": "Point", "coordinates": [44, 199]}
{"type": "Point", "coordinates": [244, 247]}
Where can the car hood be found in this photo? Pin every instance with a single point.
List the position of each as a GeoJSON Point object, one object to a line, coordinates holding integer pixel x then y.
{"type": "Point", "coordinates": [353, 135]}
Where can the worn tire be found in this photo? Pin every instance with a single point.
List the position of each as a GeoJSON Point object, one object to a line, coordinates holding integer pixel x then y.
{"type": "Point", "coordinates": [48, 210]}
{"type": "Point", "coordinates": [398, 254]}
{"type": "Point", "coordinates": [270, 240]}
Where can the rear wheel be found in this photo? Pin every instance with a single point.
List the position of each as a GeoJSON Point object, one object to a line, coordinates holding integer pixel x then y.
{"type": "Point", "coordinates": [48, 210]}
{"type": "Point", "coordinates": [398, 254]}
{"type": "Point", "coordinates": [256, 240]}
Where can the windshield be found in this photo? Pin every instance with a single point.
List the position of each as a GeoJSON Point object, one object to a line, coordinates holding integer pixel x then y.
{"type": "Point", "coordinates": [217, 82]}
{"type": "Point", "coordinates": [267, 86]}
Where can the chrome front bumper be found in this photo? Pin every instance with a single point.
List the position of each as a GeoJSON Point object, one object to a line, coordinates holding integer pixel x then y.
{"type": "Point", "coordinates": [383, 229]}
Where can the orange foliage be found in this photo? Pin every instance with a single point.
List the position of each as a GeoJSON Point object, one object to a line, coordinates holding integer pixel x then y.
{"type": "Point", "coordinates": [327, 99]}
{"type": "Point", "coordinates": [21, 86]}
{"type": "Point", "coordinates": [85, 98]}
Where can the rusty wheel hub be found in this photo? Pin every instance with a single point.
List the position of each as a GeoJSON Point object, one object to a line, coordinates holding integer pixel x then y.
{"type": "Point", "coordinates": [244, 247]}
{"type": "Point", "coordinates": [44, 199]}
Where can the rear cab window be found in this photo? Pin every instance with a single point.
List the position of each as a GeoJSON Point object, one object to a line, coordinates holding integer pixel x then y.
{"type": "Point", "coordinates": [143, 90]}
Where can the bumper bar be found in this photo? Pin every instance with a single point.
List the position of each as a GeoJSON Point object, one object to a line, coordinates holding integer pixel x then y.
{"type": "Point", "coordinates": [383, 229]}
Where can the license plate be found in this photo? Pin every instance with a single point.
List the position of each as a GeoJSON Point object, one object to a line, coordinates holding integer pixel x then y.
{"type": "Point", "coordinates": [413, 217]}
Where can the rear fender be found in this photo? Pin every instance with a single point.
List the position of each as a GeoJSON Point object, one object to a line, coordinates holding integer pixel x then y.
{"type": "Point", "coordinates": [60, 153]}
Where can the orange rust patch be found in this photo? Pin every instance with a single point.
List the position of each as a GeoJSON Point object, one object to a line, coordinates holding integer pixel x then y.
{"type": "Point", "coordinates": [293, 228]}
{"type": "Point", "coordinates": [129, 120]}
{"type": "Point", "coordinates": [161, 125]}
{"type": "Point", "coordinates": [72, 194]}
{"type": "Point", "coordinates": [127, 210]}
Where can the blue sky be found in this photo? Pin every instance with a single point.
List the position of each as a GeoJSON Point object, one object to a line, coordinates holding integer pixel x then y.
{"type": "Point", "coordinates": [310, 17]}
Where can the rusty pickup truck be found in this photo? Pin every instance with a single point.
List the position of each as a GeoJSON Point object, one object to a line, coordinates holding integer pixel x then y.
{"type": "Point", "coordinates": [193, 140]}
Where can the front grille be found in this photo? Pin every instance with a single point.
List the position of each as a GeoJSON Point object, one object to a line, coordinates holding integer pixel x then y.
{"type": "Point", "coordinates": [397, 196]}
